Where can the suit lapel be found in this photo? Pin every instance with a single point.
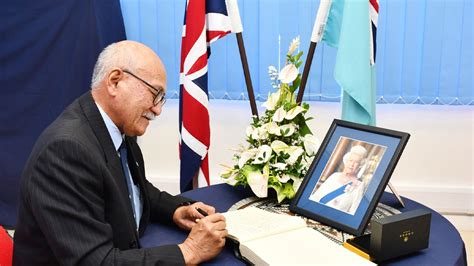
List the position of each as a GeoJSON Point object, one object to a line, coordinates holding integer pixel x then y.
{"type": "Point", "coordinates": [92, 114]}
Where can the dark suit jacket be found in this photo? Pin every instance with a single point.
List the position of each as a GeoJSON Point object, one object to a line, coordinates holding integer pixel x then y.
{"type": "Point", "coordinates": [74, 205]}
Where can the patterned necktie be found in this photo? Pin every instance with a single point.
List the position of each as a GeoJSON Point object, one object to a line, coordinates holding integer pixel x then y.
{"type": "Point", "coordinates": [126, 171]}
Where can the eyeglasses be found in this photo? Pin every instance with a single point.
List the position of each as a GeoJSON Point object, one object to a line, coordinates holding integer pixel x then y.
{"type": "Point", "coordinates": [158, 93]}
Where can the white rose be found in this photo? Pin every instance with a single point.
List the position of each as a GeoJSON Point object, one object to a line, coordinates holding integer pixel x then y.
{"type": "Point", "coordinates": [288, 73]}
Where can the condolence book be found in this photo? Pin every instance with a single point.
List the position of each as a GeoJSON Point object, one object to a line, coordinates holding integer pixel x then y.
{"type": "Point", "coordinates": [268, 238]}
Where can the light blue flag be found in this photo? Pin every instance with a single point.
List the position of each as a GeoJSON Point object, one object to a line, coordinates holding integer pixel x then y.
{"type": "Point", "coordinates": [348, 29]}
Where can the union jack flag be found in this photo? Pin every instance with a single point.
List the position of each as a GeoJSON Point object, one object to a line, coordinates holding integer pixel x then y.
{"type": "Point", "coordinates": [205, 21]}
{"type": "Point", "coordinates": [374, 15]}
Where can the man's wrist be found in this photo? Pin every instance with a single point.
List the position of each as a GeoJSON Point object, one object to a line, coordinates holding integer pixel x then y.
{"type": "Point", "coordinates": [188, 254]}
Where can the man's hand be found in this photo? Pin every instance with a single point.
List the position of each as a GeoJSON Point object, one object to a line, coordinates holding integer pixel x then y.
{"type": "Point", "coordinates": [206, 239]}
{"type": "Point", "coordinates": [185, 216]}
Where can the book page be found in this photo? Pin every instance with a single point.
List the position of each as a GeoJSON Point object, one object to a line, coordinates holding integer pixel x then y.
{"type": "Point", "coordinates": [251, 223]}
{"type": "Point", "coordinates": [296, 247]}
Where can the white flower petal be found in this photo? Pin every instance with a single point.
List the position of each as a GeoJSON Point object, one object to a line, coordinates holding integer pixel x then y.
{"type": "Point", "coordinates": [279, 115]}
{"type": "Point", "coordinates": [283, 178]}
{"type": "Point", "coordinates": [249, 131]}
{"type": "Point", "coordinates": [294, 112]}
{"type": "Point", "coordinates": [291, 129]}
{"type": "Point", "coordinates": [288, 73]}
{"type": "Point", "coordinates": [295, 43]}
{"type": "Point", "coordinates": [311, 144]}
{"type": "Point", "coordinates": [279, 146]}
{"type": "Point", "coordinates": [279, 166]}
{"type": "Point", "coordinates": [295, 152]}
{"type": "Point", "coordinates": [297, 183]}
{"type": "Point", "coordinates": [255, 134]}
{"type": "Point", "coordinates": [273, 129]}
{"type": "Point", "coordinates": [231, 179]}
{"type": "Point", "coordinates": [246, 155]}
{"type": "Point", "coordinates": [258, 183]}
{"type": "Point", "coordinates": [264, 154]}
{"type": "Point", "coordinates": [272, 70]}
{"type": "Point", "coordinates": [272, 100]}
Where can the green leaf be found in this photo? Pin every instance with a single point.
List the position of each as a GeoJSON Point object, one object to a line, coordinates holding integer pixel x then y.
{"type": "Point", "coordinates": [298, 55]}
{"type": "Point", "coordinates": [305, 130]}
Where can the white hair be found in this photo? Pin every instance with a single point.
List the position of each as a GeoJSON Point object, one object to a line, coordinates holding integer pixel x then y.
{"type": "Point", "coordinates": [109, 57]}
{"type": "Point", "coordinates": [358, 150]}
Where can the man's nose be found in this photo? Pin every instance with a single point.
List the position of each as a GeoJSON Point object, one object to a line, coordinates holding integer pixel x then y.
{"type": "Point", "coordinates": [157, 109]}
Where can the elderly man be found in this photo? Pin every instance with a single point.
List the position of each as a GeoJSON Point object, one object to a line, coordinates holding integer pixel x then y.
{"type": "Point", "coordinates": [343, 190]}
{"type": "Point", "coordinates": [84, 197]}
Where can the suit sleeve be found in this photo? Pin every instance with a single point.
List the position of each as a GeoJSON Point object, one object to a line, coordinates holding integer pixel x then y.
{"type": "Point", "coordinates": [162, 204]}
{"type": "Point", "coordinates": [66, 196]}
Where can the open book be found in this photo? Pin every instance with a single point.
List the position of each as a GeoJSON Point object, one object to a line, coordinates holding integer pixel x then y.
{"type": "Point", "coordinates": [268, 238]}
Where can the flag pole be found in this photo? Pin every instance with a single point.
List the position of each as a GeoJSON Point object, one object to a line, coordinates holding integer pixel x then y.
{"type": "Point", "coordinates": [316, 36]}
{"type": "Point", "coordinates": [307, 67]}
{"type": "Point", "coordinates": [248, 80]}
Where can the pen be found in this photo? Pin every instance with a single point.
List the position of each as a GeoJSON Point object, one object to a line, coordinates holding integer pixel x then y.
{"type": "Point", "coordinates": [201, 211]}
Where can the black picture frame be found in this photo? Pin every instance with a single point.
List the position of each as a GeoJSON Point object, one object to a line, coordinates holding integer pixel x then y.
{"type": "Point", "coordinates": [345, 197]}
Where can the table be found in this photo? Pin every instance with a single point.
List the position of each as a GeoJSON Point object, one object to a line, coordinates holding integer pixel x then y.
{"type": "Point", "coordinates": [445, 248]}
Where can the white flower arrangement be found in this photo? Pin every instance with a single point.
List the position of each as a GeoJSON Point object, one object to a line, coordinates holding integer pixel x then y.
{"type": "Point", "coordinates": [281, 146]}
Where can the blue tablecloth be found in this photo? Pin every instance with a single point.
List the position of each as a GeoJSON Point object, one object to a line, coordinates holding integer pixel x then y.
{"type": "Point", "coordinates": [445, 248]}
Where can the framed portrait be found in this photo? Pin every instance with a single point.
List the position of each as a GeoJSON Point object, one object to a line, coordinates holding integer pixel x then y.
{"type": "Point", "coordinates": [348, 175]}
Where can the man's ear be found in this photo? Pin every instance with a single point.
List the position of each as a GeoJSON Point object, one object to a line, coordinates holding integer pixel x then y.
{"type": "Point", "coordinates": [113, 79]}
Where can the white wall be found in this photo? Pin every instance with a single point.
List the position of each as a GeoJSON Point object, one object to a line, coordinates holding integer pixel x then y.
{"type": "Point", "coordinates": [436, 168]}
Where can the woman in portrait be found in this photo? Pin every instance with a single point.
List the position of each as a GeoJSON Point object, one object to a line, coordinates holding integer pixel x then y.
{"type": "Point", "coordinates": [344, 190]}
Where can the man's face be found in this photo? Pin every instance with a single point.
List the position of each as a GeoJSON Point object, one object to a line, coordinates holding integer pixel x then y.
{"type": "Point", "coordinates": [352, 164]}
{"type": "Point", "coordinates": [137, 101]}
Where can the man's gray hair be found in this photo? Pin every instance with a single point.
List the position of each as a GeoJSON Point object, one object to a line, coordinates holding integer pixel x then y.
{"type": "Point", "coordinates": [110, 57]}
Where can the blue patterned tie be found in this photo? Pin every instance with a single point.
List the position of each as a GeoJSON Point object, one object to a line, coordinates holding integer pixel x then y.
{"type": "Point", "coordinates": [126, 171]}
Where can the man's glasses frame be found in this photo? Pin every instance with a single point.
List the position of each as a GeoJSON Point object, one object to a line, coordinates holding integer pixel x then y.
{"type": "Point", "coordinates": [159, 94]}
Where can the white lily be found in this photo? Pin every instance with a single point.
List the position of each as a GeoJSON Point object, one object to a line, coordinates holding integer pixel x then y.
{"type": "Point", "coordinates": [279, 146]}
{"type": "Point", "coordinates": [311, 144]}
{"type": "Point", "coordinates": [263, 154]}
{"type": "Point", "coordinates": [279, 114]}
{"type": "Point", "coordinates": [294, 112]}
{"type": "Point", "coordinates": [258, 183]}
{"type": "Point", "coordinates": [295, 152]}
{"type": "Point", "coordinates": [246, 155]}
{"type": "Point", "coordinates": [291, 129]}
{"type": "Point", "coordinates": [295, 43]}
{"type": "Point", "coordinates": [288, 73]}
{"type": "Point", "coordinates": [272, 100]}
